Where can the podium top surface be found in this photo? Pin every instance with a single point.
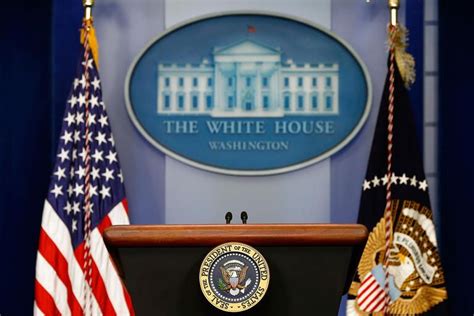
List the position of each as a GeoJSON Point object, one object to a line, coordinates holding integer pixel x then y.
{"type": "Point", "coordinates": [255, 234]}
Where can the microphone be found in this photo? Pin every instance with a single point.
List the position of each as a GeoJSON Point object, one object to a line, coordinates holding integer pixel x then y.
{"type": "Point", "coordinates": [244, 217]}
{"type": "Point", "coordinates": [228, 217]}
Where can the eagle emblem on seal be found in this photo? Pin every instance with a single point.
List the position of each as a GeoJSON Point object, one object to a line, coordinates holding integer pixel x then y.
{"type": "Point", "coordinates": [233, 280]}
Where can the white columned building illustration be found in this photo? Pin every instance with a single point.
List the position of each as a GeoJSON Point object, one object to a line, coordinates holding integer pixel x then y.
{"type": "Point", "coordinates": [248, 79]}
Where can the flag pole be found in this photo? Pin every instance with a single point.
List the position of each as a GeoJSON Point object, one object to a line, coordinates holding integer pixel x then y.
{"type": "Point", "coordinates": [87, 29]}
{"type": "Point", "coordinates": [88, 4]}
{"type": "Point", "coordinates": [394, 5]}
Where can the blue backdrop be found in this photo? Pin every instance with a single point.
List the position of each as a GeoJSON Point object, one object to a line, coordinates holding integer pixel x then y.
{"type": "Point", "coordinates": [39, 53]}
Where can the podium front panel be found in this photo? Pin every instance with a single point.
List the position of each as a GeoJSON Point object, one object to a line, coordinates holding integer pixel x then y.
{"type": "Point", "coordinates": [305, 278]}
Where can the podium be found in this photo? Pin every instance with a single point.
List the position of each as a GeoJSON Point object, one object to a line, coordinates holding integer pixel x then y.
{"type": "Point", "coordinates": [311, 265]}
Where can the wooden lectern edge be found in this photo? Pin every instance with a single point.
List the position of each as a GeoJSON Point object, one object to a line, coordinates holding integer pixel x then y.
{"type": "Point", "coordinates": [254, 234]}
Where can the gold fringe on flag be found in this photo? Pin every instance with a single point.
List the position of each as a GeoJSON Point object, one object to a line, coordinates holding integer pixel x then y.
{"type": "Point", "coordinates": [404, 60]}
{"type": "Point", "coordinates": [88, 26]}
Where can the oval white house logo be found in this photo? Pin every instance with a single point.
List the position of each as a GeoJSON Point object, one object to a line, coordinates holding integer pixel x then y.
{"type": "Point", "coordinates": [248, 93]}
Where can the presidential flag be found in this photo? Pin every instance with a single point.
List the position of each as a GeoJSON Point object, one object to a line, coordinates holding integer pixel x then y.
{"type": "Point", "coordinates": [74, 271]}
{"type": "Point", "coordinates": [400, 272]}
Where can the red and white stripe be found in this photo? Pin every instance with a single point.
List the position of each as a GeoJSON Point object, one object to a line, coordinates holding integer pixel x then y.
{"type": "Point", "coordinates": [60, 278]}
{"type": "Point", "coordinates": [371, 295]}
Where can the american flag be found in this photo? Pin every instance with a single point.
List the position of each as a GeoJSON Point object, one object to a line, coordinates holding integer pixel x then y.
{"type": "Point", "coordinates": [371, 296]}
{"type": "Point", "coordinates": [74, 271]}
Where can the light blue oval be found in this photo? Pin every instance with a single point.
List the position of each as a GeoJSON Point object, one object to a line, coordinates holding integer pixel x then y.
{"type": "Point", "coordinates": [248, 93]}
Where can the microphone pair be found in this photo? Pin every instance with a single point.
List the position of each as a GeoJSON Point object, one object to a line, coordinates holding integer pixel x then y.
{"type": "Point", "coordinates": [243, 217]}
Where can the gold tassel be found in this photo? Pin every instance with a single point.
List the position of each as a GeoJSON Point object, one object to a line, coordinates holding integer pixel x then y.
{"type": "Point", "coordinates": [93, 43]}
{"type": "Point", "coordinates": [405, 61]}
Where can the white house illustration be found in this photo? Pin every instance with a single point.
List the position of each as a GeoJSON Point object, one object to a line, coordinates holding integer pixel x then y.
{"type": "Point", "coordinates": [248, 79]}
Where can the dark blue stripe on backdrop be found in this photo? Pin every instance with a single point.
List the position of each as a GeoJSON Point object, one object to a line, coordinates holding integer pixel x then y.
{"type": "Point", "coordinates": [456, 67]}
{"type": "Point", "coordinates": [66, 22]}
{"type": "Point", "coordinates": [37, 66]}
{"type": "Point", "coordinates": [415, 24]}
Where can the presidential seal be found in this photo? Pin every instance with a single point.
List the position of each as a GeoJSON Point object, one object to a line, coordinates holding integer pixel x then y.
{"type": "Point", "coordinates": [234, 277]}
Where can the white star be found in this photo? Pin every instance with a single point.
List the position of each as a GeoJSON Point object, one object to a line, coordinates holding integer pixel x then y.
{"type": "Point", "coordinates": [366, 185]}
{"type": "Point", "coordinates": [83, 81]}
{"type": "Point", "coordinates": [71, 172]}
{"type": "Point", "coordinates": [98, 155]}
{"type": "Point", "coordinates": [64, 154]}
{"type": "Point", "coordinates": [90, 135]}
{"type": "Point", "coordinates": [105, 192]}
{"type": "Point", "coordinates": [91, 119]}
{"type": "Point", "coordinates": [102, 103]}
{"type": "Point", "coordinates": [90, 208]}
{"type": "Point", "coordinates": [403, 179]}
{"type": "Point", "coordinates": [103, 121]}
{"type": "Point", "coordinates": [60, 173]}
{"type": "Point", "coordinates": [79, 117]}
{"type": "Point", "coordinates": [77, 136]}
{"type": "Point", "coordinates": [385, 179]}
{"type": "Point", "coordinates": [83, 154]}
{"type": "Point", "coordinates": [108, 174]}
{"type": "Point", "coordinates": [67, 137]}
{"type": "Point", "coordinates": [81, 99]}
{"type": "Point", "coordinates": [112, 157]}
{"type": "Point", "coordinates": [76, 82]}
{"type": "Point", "coordinates": [96, 83]}
{"type": "Point", "coordinates": [94, 101]}
{"type": "Point", "coordinates": [111, 140]}
{"type": "Point", "coordinates": [70, 119]}
{"type": "Point", "coordinates": [93, 190]}
{"type": "Point", "coordinates": [74, 154]}
{"type": "Point", "coordinates": [375, 182]}
{"type": "Point", "coordinates": [72, 101]}
{"type": "Point", "coordinates": [81, 172]}
{"type": "Point", "coordinates": [89, 63]}
{"type": "Point", "coordinates": [69, 189]}
{"type": "Point", "coordinates": [57, 190]}
{"type": "Point", "coordinates": [120, 176]}
{"type": "Point", "coordinates": [78, 189]}
{"type": "Point", "coordinates": [75, 207]}
{"type": "Point", "coordinates": [101, 138]}
{"type": "Point", "coordinates": [393, 178]}
{"type": "Point", "coordinates": [423, 185]}
{"type": "Point", "coordinates": [95, 173]}
{"type": "Point", "coordinates": [74, 225]}
{"type": "Point", "coordinates": [413, 181]}
{"type": "Point", "coordinates": [68, 208]}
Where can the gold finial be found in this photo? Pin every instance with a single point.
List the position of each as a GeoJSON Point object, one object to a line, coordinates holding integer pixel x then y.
{"type": "Point", "coordinates": [88, 4]}
{"type": "Point", "coordinates": [393, 5]}
{"type": "Point", "coordinates": [88, 31]}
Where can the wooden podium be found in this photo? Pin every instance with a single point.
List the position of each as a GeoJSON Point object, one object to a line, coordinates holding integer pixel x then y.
{"type": "Point", "coordinates": [311, 265]}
